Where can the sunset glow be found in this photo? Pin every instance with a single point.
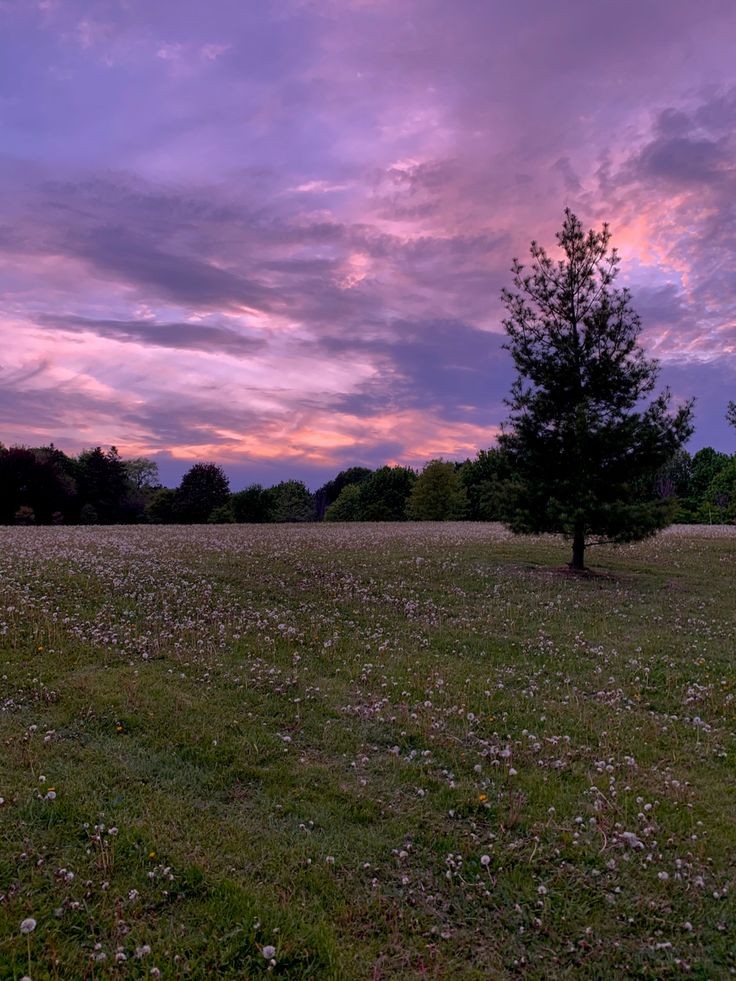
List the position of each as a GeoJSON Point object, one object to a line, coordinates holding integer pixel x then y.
{"type": "Point", "coordinates": [274, 234]}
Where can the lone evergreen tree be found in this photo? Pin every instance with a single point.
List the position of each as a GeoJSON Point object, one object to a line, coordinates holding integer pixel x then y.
{"type": "Point", "coordinates": [731, 414]}
{"type": "Point", "coordinates": [583, 446]}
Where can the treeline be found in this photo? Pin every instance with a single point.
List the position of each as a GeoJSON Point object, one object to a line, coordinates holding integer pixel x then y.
{"type": "Point", "coordinates": [43, 485]}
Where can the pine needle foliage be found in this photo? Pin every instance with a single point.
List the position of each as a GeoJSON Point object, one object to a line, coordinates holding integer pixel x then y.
{"type": "Point", "coordinates": [583, 441]}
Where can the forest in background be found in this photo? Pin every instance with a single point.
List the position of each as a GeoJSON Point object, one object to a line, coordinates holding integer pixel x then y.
{"type": "Point", "coordinates": [44, 485]}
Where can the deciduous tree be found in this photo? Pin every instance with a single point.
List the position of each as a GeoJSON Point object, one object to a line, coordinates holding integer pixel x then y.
{"type": "Point", "coordinates": [251, 505]}
{"type": "Point", "coordinates": [346, 507]}
{"type": "Point", "coordinates": [329, 492]}
{"type": "Point", "coordinates": [438, 494]}
{"type": "Point", "coordinates": [484, 479]}
{"type": "Point", "coordinates": [102, 484]}
{"type": "Point", "coordinates": [384, 495]}
{"type": "Point", "coordinates": [290, 501]}
{"type": "Point", "coordinates": [203, 488]}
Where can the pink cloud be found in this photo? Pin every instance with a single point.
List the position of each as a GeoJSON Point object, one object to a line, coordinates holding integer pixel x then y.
{"type": "Point", "coordinates": [262, 230]}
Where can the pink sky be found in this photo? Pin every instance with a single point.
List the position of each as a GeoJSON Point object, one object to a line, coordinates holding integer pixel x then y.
{"type": "Point", "coordinates": [274, 235]}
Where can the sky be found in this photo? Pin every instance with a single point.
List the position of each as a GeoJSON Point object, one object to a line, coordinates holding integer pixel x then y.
{"type": "Point", "coordinates": [273, 233]}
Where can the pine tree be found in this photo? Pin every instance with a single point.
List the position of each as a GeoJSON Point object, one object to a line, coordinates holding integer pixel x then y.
{"type": "Point", "coordinates": [582, 444]}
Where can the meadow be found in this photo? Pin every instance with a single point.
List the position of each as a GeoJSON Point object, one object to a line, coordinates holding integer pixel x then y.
{"type": "Point", "coordinates": [365, 751]}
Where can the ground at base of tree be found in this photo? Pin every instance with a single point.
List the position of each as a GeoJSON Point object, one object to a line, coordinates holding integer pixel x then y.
{"type": "Point", "coordinates": [365, 751]}
{"type": "Point", "coordinates": [587, 573]}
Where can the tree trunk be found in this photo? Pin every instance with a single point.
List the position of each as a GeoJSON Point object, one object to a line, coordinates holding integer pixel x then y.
{"type": "Point", "coordinates": [578, 546]}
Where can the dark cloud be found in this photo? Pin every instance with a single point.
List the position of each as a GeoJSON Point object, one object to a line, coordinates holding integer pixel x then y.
{"type": "Point", "coordinates": [185, 336]}
{"type": "Point", "coordinates": [183, 278]}
{"type": "Point", "coordinates": [692, 148]}
{"type": "Point", "coordinates": [447, 367]}
{"type": "Point", "coordinates": [685, 160]}
{"type": "Point", "coordinates": [190, 419]}
{"type": "Point", "coordinates": [662, 306]}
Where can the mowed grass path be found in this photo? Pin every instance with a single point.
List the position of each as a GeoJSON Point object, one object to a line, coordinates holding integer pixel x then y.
{"type": "Point", "coordinates": [410, 751]}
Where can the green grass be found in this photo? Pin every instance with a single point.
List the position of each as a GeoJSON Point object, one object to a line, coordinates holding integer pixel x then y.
{"type": "Point", "coordinates": [387, 751]}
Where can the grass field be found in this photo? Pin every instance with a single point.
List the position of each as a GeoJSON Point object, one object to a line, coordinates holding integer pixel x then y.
{"type": "Point", "coordinates": [409, 751]}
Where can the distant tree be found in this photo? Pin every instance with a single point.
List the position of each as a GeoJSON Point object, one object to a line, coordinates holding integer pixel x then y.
{"type": "Point", "coordinates": [63, 500]}
{"type": "Point", "coordinates": [438, 494]}
{"type": "Point", "coordinates": [251, 505]}
{"type": "Point", "coordinates": [290, 501]}
{"type": "Point", "coordinates": [719, 501]}
{"type": "Point", "coordinates": [88, 515]}
{"type": "Point", "coordinates": [673, 479]}
{"type": "Point", "coordinates": [484, 479]}
{"type": "Point", "coordinates": [384, 495]}
{"type": "Point", "coordinates": [705, 466]}
{"type": "Point", "coordinates": [203, 488]}
{"type": "Point", "coordinates": [222, 515]}
{"type": "Point", "coordinates": [579, 443]}
{"type": "Point", "coordinates": [731, 414]}
{"type": "Point", "coordinates": [161, 509]}
{"type": "Point", "coordinates": [143, 483]}
{"type": "Point", "coordinates": [142, 472]}
{"type": "Point", "coordinates": [34, 478]}
{"type": "Point", "coordinates": [347, 505]}
{"type": "Point", "coordinates": [103, 485]}
{"type": "Point", "coordinates": [329, 492]}
{"type": "Point", "coordinates": [25, 516]}
{"type": "Point", "coordinates": [673, 483]}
